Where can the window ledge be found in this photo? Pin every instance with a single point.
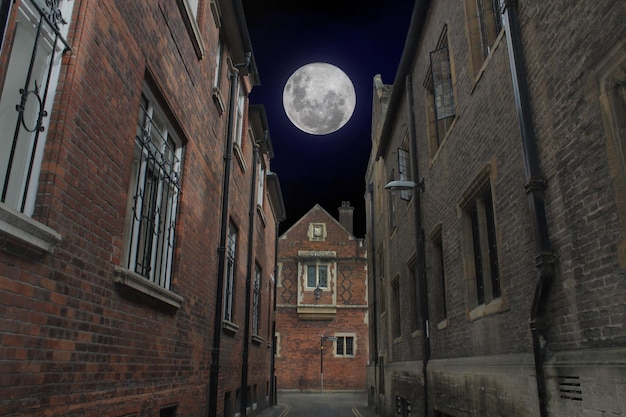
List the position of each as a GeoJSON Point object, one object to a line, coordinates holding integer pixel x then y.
{"type": "Point", "coordinates": [494, 306]}
{"type": "Point", "coordinates": [218, 100]}
{"type": "Point", "coordinates": [259, 210]}
{"type": "Point", "coordinates": [239, 155]}
{"type": "Point", "coordinates": [132, 280]}
{"type": "Point", "coordinates": [229, 327]}
{"type": "Point", "coordinates": [22, 236]}
{"type": "Point", "coordinates": [256, 339]}
{"type": "Point", "coordinates": [443, 324]}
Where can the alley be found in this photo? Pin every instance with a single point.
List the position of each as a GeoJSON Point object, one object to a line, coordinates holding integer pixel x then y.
{"type": "Point", "coordinates": [344, 404]}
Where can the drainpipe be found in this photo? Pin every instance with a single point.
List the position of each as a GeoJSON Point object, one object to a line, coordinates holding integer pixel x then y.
{"type": "Point", "coordinates": [273, 390]}
{"type": "Point", "coordinates": [419, 240]}
{"type": "Point", "coordinates": [370, 190]}
{"type": "Point", "coordinates": [246, 333]}
{"type": "Point", "coordinates": [221, 250]}
{"type": "Point", "coordinates": [545, 258]}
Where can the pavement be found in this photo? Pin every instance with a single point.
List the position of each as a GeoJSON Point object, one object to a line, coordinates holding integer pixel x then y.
{"type": "Point", "coordinates": [288, 401]}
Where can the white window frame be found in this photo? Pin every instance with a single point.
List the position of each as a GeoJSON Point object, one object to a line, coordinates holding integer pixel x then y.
{"type": "Point", "coordinates": [260, 194]}
{"type": "Point", "coordinates": [341, 340]}
{"type": "Point", "coordinates": [241, 101]}
{"type": "Point", "coordinates": [317, 265]}
{"type": "Point", "coordinates": [20, 179]}
{"type": "Point", "coordinates": [155, 138]}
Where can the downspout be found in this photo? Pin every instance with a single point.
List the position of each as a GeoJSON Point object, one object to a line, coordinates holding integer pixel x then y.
{"type": "Point", "coordinates": [221, 250]}
{"type": "Point", "coordinates": [370, 190]}
{"type": "Point", "coordinates": [246, 332]}
{"type": "Point", "coordinates": [273, 391]}
{"type": "Point", "coordinates": [545, 258]}
{"type": "Point", "coordinates": [419, 241]}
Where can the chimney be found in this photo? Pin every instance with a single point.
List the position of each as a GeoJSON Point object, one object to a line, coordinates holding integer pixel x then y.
{"type": "Point", "coordinates": [346, 216]}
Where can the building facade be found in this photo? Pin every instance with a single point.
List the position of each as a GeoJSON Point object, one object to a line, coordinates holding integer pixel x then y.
{"type": "Point", "coordinates": [129, 258]}
{"type": "Point", "coordinates": [496, 213]}
{"type": "Point", "coordinates": [321, 324]}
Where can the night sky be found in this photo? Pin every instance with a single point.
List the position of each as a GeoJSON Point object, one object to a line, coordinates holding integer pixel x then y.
{"type": "Point", "coordinates": [363, 38]}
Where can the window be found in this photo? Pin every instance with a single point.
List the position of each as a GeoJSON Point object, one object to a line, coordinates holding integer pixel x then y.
{"type": "Point", "coordinates": [256, 301]}
{"type": "Point", "coordinates": [440, 93]}
{"type": "Point", "coordinates": [413, 296]}
{"type": "Point", "coordinates": [439, 275]}
{"type": "Point", "coordinates": [345, 346]}
{"type": "Point", "coordinates": [153, 196]}
{"type": "Point", "coordinates": [189, 11]}
{"type": "Point", "coordinates": [218, 99]}
{"type": "Point", "coordinates": [396, 320]}
{"type": "Point", "coordinates": [229, 284]}
{"type": "Point", "coordinates": [612, 99]}
{"type": "Point", "coordinates": [403, 407]}
{"type": "Point", "coordinates": [484, 22]}
{"type": "Point", "coordinates": [481, 245]}
{"type": "Point", "coordinates": [241, 100]}
{"type": "Point", "coordinates": [277, 344]}
{"type": "Point", "coordinates": [169, 411]}
{"type": "Point", "coordinates": [260, 193]}
{"type": "Point", "coordinates": [404, 171]}
{"type": "Point", "coordinates": [28, 95]}
{"type": "Point", "coordinates": [381, 276]}
{"type": "Point", "coordinates": [317, 276]}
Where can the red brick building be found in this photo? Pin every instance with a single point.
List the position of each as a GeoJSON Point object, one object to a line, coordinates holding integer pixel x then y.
{"type": "Point", "coordinates": [321, 324]}
{"type": "Point", "coordinates": [138, 213]}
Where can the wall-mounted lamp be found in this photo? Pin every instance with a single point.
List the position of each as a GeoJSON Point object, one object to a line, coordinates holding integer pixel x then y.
{"type": "Point", "coordinates": [318, 293]}
{"type": "Point", "coordinates": [402, 185]}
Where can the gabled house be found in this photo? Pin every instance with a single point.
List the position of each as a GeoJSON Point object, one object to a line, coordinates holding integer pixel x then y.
{"type": "Point", "coordinates": [321, 323]}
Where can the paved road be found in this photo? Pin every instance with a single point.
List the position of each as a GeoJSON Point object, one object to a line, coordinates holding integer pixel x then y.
{"type": "Point", "coordinates": [333, 404]}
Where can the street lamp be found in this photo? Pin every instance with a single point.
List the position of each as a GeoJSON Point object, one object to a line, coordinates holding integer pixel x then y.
{"type": "Point", "coordinates": [403, 185]}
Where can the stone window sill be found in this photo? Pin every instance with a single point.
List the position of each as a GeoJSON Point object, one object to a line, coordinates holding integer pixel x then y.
{"type": "Point", "coordinates": [229, 327]}
{"type": "Point", "coordinates": [129, 279]}
{"type": "Point", "coordinates": [256, 339]}
{"type": "Point", "coordinates": [494, 306]}
{"type": "Point", "coordinates": [22, 236]}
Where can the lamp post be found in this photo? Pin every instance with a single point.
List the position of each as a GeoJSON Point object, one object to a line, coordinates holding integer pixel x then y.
{"type": "Point", "coordinates": [322, 338]}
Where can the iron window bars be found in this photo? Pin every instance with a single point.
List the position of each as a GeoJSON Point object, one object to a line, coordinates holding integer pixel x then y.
{"type": "Point", "coordinates": [40, 24]}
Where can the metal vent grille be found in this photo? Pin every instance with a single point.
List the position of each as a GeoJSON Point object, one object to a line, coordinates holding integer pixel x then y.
{"type": "Point", "coordinates": [569, 388]}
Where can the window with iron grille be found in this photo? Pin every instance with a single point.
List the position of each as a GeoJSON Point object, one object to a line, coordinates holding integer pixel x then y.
{"type": "Point", "coordinates": [440, 98]}
{"type": "Point", "coordinates": [34, 42]}
{"type": "Point", "coordinates": [345, 346]}
{"type": "Point", "coordinates": [404, 171]}
{"type": "Point", "coordinates": [479, 215]}
{"type": "Point", "coordinates": [229, 282]}
{"type": "Point", "coordinates": [154, 193]}
{"type": "Point", "coordinates": [317, 276]}
{"type": "Point", "coordinates": [256, 301]}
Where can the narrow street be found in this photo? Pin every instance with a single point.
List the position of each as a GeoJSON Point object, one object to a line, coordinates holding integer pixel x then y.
{"type": "Point", "coordinates": [333, 404]}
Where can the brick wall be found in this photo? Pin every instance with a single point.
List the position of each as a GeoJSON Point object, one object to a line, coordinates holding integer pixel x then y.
{"type": "Point", "coordinates": [73, 342]}
{"type": "Point", "coordinates": [298, 363]}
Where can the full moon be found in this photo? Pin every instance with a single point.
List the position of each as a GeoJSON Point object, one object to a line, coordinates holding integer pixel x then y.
{"type": "Point", "coordinates": [319, 98]}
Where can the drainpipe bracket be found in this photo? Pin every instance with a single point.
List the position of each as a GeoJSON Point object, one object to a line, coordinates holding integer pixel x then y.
{"type": "Point", "coordinates": [545, 262]}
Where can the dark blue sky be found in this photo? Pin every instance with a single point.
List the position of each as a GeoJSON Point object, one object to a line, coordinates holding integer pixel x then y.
{"type": "Point", "coordinates": [363, 38]}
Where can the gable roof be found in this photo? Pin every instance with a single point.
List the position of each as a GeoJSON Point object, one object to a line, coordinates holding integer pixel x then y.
{"type": "Point", "coordinates": [315, 208]}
